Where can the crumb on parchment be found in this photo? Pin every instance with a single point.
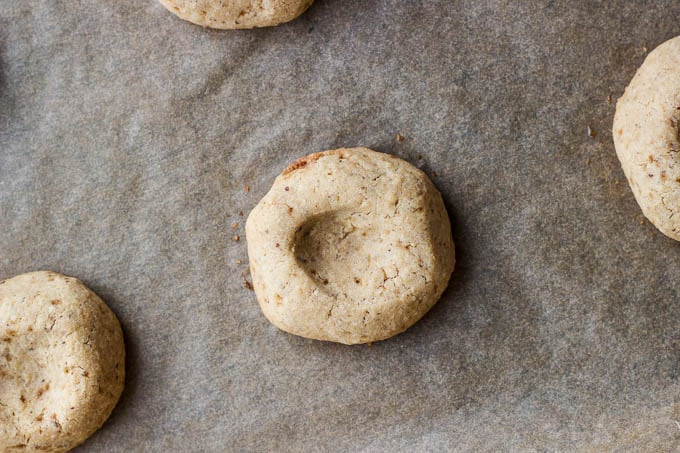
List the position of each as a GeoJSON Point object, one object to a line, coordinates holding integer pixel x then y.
{"type": "Point", "coordinates": [246, 283]}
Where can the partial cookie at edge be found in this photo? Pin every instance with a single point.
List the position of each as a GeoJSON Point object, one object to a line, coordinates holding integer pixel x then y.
{"type": "Point", "coordinates": [646, 134]}
{"type": "Point", "coordinates": [62, 361]}
{"type": "Point", "coordinates": [237, 14]}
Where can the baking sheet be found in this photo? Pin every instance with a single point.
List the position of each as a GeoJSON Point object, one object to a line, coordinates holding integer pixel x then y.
{"type": "Point", "coordinates": [127, 138]}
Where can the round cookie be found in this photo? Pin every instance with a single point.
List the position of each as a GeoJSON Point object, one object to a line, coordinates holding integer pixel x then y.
{"type": "Point", "coordinates": [349, 245]}
{"type": "Point", "coordinates": [647, 137]}
{"type": "Point", "coordinates": [62, 362]}
{"type": "Point", "coordinates": [233, 14]}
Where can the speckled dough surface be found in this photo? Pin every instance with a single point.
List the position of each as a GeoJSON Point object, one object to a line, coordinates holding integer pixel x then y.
{"type": "Point", "coordinates": [647, 137]}
{"type": "Point", "coordinates": [62, 362]}
{"type": "Point", "coordinates": [349, 245]}
{"type": "Point", "coordinates": [232, 14]}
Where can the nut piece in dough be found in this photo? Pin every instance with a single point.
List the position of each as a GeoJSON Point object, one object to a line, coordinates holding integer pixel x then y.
{"type": "Point", "coordinates": [62, 362]}
{"type": "Point", "coordinates": [647, 137]}
{"type": "Point", "coordinates": [349, 245]}
{"type": "Point", "coordinates": [233, 14]}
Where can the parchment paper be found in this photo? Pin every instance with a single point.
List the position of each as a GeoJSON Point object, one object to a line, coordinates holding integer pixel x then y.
{"type": "Point", "coordinates": [127, 137]}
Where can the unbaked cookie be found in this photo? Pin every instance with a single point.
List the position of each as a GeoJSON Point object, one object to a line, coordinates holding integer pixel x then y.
{"type": "Point", "coordinates": [232, 14]}
{"type": "Point", "coordinates": [62, 362]}
{"type": "Point", "coordinates": [349, 245]}
{"type": "Point", "coordinates": [647, 137]}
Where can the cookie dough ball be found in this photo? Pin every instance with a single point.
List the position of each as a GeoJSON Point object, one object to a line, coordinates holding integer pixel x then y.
{"type": "Point", "coordinates": [349, 245]}
{"type": "Point", "coordinates": [647, 137]}
{"type": "Point", "coordinates": [62, 362]}
{"type": "Point", "coordinates": [232, 14]}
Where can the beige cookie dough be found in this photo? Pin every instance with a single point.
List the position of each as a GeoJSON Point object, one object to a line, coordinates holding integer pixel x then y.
{"type": "Point", "coordinates": [62, 362]}
{"type": "Point", "coordinates": [647, 137]}
{"type": "Point", "coordinates": [349, 245]}
{"type": "Point", "coordinates": [232, 14]}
